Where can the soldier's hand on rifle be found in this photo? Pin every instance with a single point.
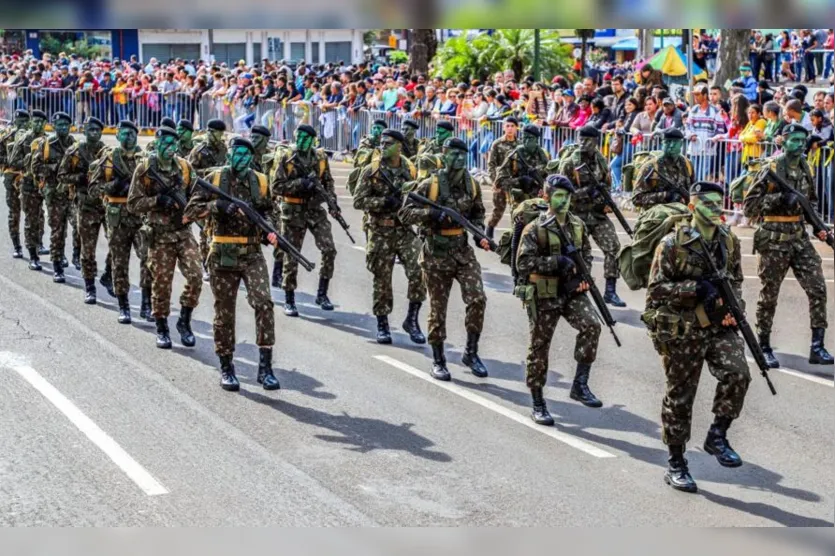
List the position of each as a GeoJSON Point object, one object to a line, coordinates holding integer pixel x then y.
{"type": "Point", "coordinates": [437, 215]}
{"type": "Point", "coordinates": [484, 244]}
{"type": "Point", "coordinates": [527, 181]}
{"type": "Point", "coordinates": [729, 320]}
{"type": "Point", "coordinates": [391, 202]}
{"type": "Point", "coordinates": [164, 201]}
{"type": "Point", "coordinates": [790, 199]}
{"type": "Point", "coordinates": [822, 235]}
{"type": "Point", "coordinates": [336, 213]}
{"type": "Point", "coordinates": [672, 196]}
{"type": "Point", "coordinates": [273, 239]}
{"type": "Point", "coordinates": [583, 287]}
{"type": "Point", "coordinates": [308, 184]}
{"type": "Point", "coordinates": [226, 207]}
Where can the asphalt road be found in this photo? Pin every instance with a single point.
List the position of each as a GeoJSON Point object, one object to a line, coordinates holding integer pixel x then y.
{"type": "Point", "coordinates": [100, 428]}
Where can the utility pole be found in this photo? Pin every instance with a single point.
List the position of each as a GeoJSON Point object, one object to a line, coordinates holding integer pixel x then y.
{"type": "Point", "coordinates": [536, 54]}
{"type": "Point", "coordinates": [211, 46]}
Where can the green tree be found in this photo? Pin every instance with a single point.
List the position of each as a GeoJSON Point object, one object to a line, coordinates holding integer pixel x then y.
{"type": "Point", "coordinates": [462, 58]}
{"type": "Point", "coordinates": [398, 57]}
{"type": "Point", "coordinates": [513, 49]}
{"type": "Point", "coordinates": [585, 35]}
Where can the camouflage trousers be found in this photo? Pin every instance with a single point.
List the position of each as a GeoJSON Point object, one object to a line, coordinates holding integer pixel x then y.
{"type": "Point", "coordinates": [33, 226]}
{"type": "Point", "coordinates": [162, 258]}
{"type": "Point", "coordinates": [499, 206]}
{"type": "Point", "coordinates": [439, 272]}
{"type": "Point", "coordinates": [124, 236]}
{"type": "Point", "coordinates": [772, 267]}
{"type": "Point", "coordinates": [384, 244]}
{"type": "Point", "coordinates": [294, 230]}
{"type": "Point", "coordinates": [579, 314]}
{"type": "Point", "coordinates": [602, 230]}
{"type": "Point", "coordinates": [61, 213]}
{"type": "Point", "coordinates": [13, 202]}
{"type": "Point", "coordinates": [724, 353]}
{"type": "Point", "coordinates": [204, 245]}
{"type": "Point", "coordinates": [90, 223]}
{"type": "Point", "coordinates": [252, 269]}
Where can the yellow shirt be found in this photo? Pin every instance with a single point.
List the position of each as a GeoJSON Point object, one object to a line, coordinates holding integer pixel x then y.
{"type": "Point", "coordinates": [751, 146]}
{"type": "Point", "coordinates": [118, 94]}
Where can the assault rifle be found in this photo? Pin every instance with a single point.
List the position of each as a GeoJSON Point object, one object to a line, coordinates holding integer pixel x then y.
{"type": "Point", "coordinates": [685, 194]}
{"type": "Point", "coordinates": [173, 191]}
{"type": "Point", "coordinates": [456, 217]}
{"type": "Point", "coordinates": [603, 190]}
{"type": "Point", "coordinates": [576, 257]}
{"type": "Point", "coordinates": [812, 217]}
{"type": "Point", "coordinates": [333, 208]}
{"type": "Point", "coordinates": [720, 279]}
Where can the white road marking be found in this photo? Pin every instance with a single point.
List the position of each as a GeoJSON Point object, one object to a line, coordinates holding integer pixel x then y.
{"type": "Point", "coordinates": [798, 374]}
{"type": "Point", "coordinates": [204, 336]}
{"type": "Point", "coordinates": [246, 361]}
{"type": "Point", "coordinates": [358, 247]}
{"type": "Point", "coordinates": [568, 439]}
{"type": "Point", "coordinates": [97, 436]}
{"type": "Point", "coordinates": [786, 278]}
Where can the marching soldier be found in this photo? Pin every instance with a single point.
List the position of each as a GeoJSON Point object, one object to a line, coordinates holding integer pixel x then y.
{"type": "Point", "coordinates": [112, 182]}
{"type": "Point", "coordinates": [587, 169]}
{"type": "Point", "coordinates": [522, 174]}
{"type": "Point", "coordinates": [362, 157]}
{"type": "Point", "coordinates": [552, 289]}
{"type": "Point", "coordinates": [650, 190]}
{"type": "Point", "coordinates": [688, 328]}
{"type": "Point", "coordinates": [429, 157]}
{"type": "Point", "coordinates": [294, 186]}
{"type": "Point", "coordinates": [30, 194]}
{"type": "Point", "coordinates": [411, 144]}
{"type": "Point", "coordinates": [260, 138]}
{"type": "Point", "coordinates": [171, 242]}
{"type": "Point", "coordinates": [46, 158]}
{"type": "Point", "coordinates": [781, 242]}
{"type": "Point", "coordinates": [11, 177]}
{"type": "Point", "coordinates": [447, 256]}
{"type": "Point", "coordinates": [236, 255]}
{"type": "Point", "coordinates": [380, 195]}
{"type": "Point", "coordinates": [168, 122]}
{"type": "Point", "coordinates": [499, 151]}
{"type": "Point", "coordinates": [185, 135]}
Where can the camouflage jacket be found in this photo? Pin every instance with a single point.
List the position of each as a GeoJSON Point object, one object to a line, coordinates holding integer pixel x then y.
{"type": "Point", "coordinates": [75, 165]}
{"type": "Point", "coordinates": [204, 157]}
{"type": "Point", "coordinates": [586, 172]}
{"type": "Point", "coordinates": [47, 154]}
{"type": "Point", "coordinates": [20, 158]}
{"type": "Point", "coordinates": [166, 222]}
{"type": "Point", "coordinates": [499, 150]}
{"type": "Point", "coordinates": [650, 190]}
{"type": "Point", "coordinates": [519, 163]}
{"type": "Point", "coordinates": [374, 189]}
{"type": "Point", "coordinates": [291, 171]}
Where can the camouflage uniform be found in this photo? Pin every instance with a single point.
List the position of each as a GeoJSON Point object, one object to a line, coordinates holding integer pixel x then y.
{"type": "Point", "coordinates": [123, 226]}
{"type": "Point", "coordinates": [428, 159]}
{"type": "Point", "coordinates": [30, 194]}
{"type": "Point", "coordinates": [537, 264]}
{"type": "Point", "coordinates": [11, 180]}
{"type": "Point", "coordinates": [499, 151]}
{"type": "Point", "coordinates": [683, 334]}
{"type": "Point", "coordinates": [203, 157]}
{"type": "Point", "coordinates": [590, 208]}
{"type": "Point", "coordinates": [509, 175]}
{"type": "Point", "coordinates": [781, 242]}
{"type": "Point", "coordinates": [89, 207]}
{"type": "Point", "coordinates": [301, 210]}
{"type": "Point", "coordinates": [236, 255]}
{"type": "Point", "coordinates": [650, 190]}
{"type": "Point", "coordinates": [170, 242]}
{"type": "Point", "coordinates": [388, 236]}
{"type": "Point", "coordinates": [410, 148]}
{"type": "Point", "coordinates": [45, 162]}
{"type": "Point", "coordinates": [447, 255]}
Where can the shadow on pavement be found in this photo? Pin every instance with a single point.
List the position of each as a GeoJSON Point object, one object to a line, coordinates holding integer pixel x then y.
{"type": "Point", "coordinates": [766, 511]}
{"type": "Point", "coordinates": [801, 363]}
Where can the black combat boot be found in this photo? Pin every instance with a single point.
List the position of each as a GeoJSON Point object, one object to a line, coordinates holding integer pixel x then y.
{"type": "Point", "coordinates": [205, 273]}
{"type": "Point", "coordinates": [228, 380]}
{"type": "Point", "coordinates": [489, 231]}
{"type": "Point", "coordinates": [58, 273]}
{"type": "Point", "coordinates": [290, 303]}
{"type": "Point", "coordinates": [34, 261]}
{"type": "Point", "coordinates": [322, 295]}
{"type": "Point", "coordinates": [439, 370]}
{"type": "Point", "coordinates": [145, 305]}
{"type": "Point", "coordinates": [90, 291]}
{"type": "Point", "coordinates": [383, 332]}
{"type": "Point", "coordinates": [278, 273]}
{"type": "Point", "coordinates": [43, 250]}
{"type": "Point", "coordinates": [716, 443]}
{"type": "Point", "coordinates": [678, 475]}
{"type": "Point", "coordinates": [18, 252]}
{"type": "Point", "coordinates": [411, 325]}
{"type": "Point", "coordinates": [64, 262]}
{"type": "Point", "coordinates": [106, 280]}
{"type": "Point", "coordinates": [540, 413]}
{"type": "Point", "coordinates": [124, 309]}
{"type": "Point", "coordinates": [266, 378]}
{"type": "Point", "coordinates": [580, 388]}
{"type": "Point", "coordinates": [184, 327]}
{"type": "Point", "coordinates": [611, 295]}
{"type": "Point", "coordinates": [765, 345]}
{"type": "Point", "coordinates": [471, 358]}
{"type": "Point", "coordinates": [76, 258]}
{"type": "Point", "coordinates": [818, 354]}
{"type": "Point", "coordinates": [163, 339]}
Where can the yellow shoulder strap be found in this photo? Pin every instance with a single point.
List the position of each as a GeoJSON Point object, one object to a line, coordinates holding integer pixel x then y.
{"type": "Point", "coordinates": [185, 169]}
{"type": "Point", "coordinates": [46, 151]}
{"type": "Point", "coordinates": [108, 168]}
{"type": "Point", "coordinates": [476, 188]}
{"type": "Point", "coordinates": [263, 186]}
{"type": "Point", "coordinates": [689, 165]}
{"type": "Point", "coordinates": [411, 166]}
{"type": "Point", "coordinates": [216, 178]}
{"type": "Point", "coordinates": [434, 188]}
{"type": "Point", "coordinates": [323, 164]}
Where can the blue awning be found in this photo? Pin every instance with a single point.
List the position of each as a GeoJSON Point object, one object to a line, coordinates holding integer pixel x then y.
{"type": "Point", "coordinates": [632, 43]}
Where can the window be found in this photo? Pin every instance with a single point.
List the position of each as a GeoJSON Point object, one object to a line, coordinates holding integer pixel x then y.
{"type": "Point", "coordinates": [165, 51]}
{"type": "Point", "coordinates": [231, 53]}
{"type": "Point", "coordinates": [296, 51]}
{"type": "Point", "coordinates": [335, 51]}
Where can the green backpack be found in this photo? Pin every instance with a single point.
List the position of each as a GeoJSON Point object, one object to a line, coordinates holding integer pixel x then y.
{"type": "Point", "coordinates": [653, 224]}
{"type": "Point", "coordinates": [640, 161]}
{"type": "Point", "coordinates": [751, 168]}
{"type": "Point", "coordinates": [525, 213]}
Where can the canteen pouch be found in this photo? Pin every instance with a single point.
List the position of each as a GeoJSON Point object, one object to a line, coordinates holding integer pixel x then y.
{"type": "Point", "coordinates": [113, 216]}
{"type": "Point", "coordinates": [528, 296]}
{"type": "Point", "coordinates": [227, 254]}
{"type": "Point", "coordinates": [547, 288]}
{"type": "Point", "coordinates": [665, 324]}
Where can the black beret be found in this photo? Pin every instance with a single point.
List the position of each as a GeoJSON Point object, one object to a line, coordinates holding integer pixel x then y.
{"type": "Point", "coordinates": [168, 122]}
{"type": "Point", "coordinates": [795, 128]}
{"type": "Point", "coordinates": [456, 143]}
{"type": "Point", "coordinates": [558, 181]}
{"type": "Point", "coordinates": [411, 123]}
{"type": "Point", "coordinates": [21, 114]}
{"type": "Point", "coordinates": [94, 121]}
{"type": "Point", "coordinates": [444, 124]}
{"type": "Point", "coordinates": [531, 129]}
{"type": "Point", "coordinates": [186, 124]}
{"type": "Point", "coordinates": [307, 129]}
{"type": "Point", "coordinates": [673, 133]}
{"type": "Point", "coordinates": [511, 120]}
{"type": "Point", "coordinates": [127, 124]}
{"type": "Point", "coordinates": [166, 131]}
{"type": "Point", "coordinates": [39, 114]}
{"type": "Point", "coordinates": [260, 130]}
{"type": "Point", "coordinates": [216, 124]}
{"type": "Point", "coordinates": [381, 123]}
{"type": "Point", "coordinates": [242, 142]}
{"type": "Point", "coordinates": [589, 131]}
{"type": "Point", "coordinates": [701, 187]}
{"type": "Point", "coordinates": [394, 134]}
{"type": "Point", "coordinates": [61, 116]}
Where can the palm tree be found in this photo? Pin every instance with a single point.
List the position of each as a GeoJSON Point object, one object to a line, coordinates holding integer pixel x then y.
{"type": "Point", "coordinates": [462, 58]}
{"type": "Point", "coordinates": [514, 49]}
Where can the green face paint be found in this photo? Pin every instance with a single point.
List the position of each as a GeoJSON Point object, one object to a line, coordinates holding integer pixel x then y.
{"type": "Point", "coordinates": [62, 128]}
{"type": "Point", "coordinates": [794, 143]}
{"type": "Point", "coordinates": [92, 133]}
{"type": "Point", "coordinates": [38, 124]}
{"type": "Point", "coordinates": [377, 131]}
{"type": "Point", "coordinates": [671, 147]}
{"type": "Point", "coordinates": [184, 135]}
{"type": "Point", "coordinates": [409, 132]}
{"type": "Point", "coordinates": [304, 142]}
{"type": "Point", "coordinates": [441, 135]}
{"type": "Point", "coordinates": [216, 137]}
{"type": "Point", "coordinates": [126, 138]}
{"type": "Point", "coordinates": [21, 122]}
{"type": "Point", "coordinates": [588, 144]}
{"type": "Point", "coordinates": [560, 201]}
{"type": "Point", "coordinates": [166, 147]}
{"type": "Point", "coordinates": [455, 159]}
{"type": "Point", "coordinates": [531, 142]}
{"type": "Point", "coordinates": [707, 209]}
{"type": "Point", "coordinates": [259, 142]}
{"type": "Point", "coordinates": [240, 159]}
{"type": "Point", "coordinates": [389, 147]}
